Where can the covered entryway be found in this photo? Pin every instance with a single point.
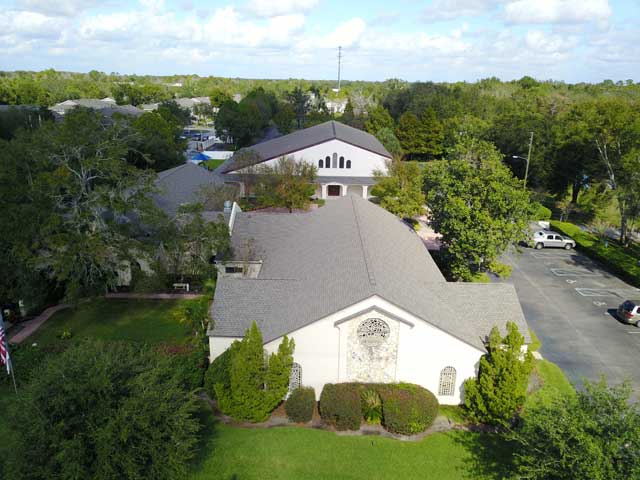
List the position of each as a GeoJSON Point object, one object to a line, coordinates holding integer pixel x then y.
{"type": "Point", "coordinates": [333, 190]}
{"type": "Point", "coordinates": [355, 190]}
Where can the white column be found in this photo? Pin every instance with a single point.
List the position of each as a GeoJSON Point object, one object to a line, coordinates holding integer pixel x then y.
{"type": "Point", "coordinates": [324, 190]}
{"type": "Point", "coordinates": [365, 193]}
{"type": "Point", "coordinates": [344, 190]}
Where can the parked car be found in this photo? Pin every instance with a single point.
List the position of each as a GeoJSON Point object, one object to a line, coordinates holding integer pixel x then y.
{"type": "Point", "coordinates": [548, 238]}
{"type": "Point", "coordinates": [629, 312]}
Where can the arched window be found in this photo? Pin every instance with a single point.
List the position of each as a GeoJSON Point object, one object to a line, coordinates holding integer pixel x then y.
{"type": "Point", "coordinates": [447, 382]}
{"type": "Point", "coordinates": [341, 162]}
{"type": "Point", "coordinates": [295, 377]}
{"type": "Point", "coordinates": [320, 163]}
{"type": "Point", "coordinates": [348, 163]}
{"type": "Point", "coordinates": [334, 164]}
{"type": "Point", "coordinates": [373, 331]}
{"type": "Point", "coordinates": [327, 162]}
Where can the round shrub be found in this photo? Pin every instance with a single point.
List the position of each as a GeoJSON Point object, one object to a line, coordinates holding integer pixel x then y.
{"type": "Point", "coordinates": [541, 212]}
{"type": "Point", "coordinates": [299, 405]}
{"type": "Point", "coordinates": [340, 405]}
{"type": "Point", "coordinates": [407, 408]}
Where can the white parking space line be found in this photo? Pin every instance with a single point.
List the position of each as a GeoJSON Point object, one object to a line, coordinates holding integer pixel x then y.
{"type": "Point", "coordinates": [573, 272]}
{"type": "Point", "coordinates": [596, 292]}
{"type": "Point", "coordinates": [550, 255]}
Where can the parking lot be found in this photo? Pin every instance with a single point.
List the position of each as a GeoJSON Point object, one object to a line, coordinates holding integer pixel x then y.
{"type": "Point", "coordinates": [569, 301]}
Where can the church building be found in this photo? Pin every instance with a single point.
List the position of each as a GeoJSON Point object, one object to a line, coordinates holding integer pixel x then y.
{"type": "Point", "coordinates": [357, 290]}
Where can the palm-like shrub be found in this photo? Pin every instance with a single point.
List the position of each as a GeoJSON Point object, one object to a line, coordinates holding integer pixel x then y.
{"type": "Point", "coordinates": [371, 406]}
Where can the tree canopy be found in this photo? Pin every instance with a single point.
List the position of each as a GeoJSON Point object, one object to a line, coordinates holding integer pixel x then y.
{"type": "Point", "coordinates": [103, 411]}
{"type": "Point", "coordinates": [400, 189]}
{"type": "Point", "coordinates": [477, 205]}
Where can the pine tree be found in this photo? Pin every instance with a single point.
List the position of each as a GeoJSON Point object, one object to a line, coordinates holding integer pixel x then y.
{"type": "Point", "coordinates": [500, 389]}
{"type": "Point", "coordinates": [257, 384]}
{"type": "Point", "coordinates": [433, 132]}
{"type": "Point", "coordinates": [410, 134]}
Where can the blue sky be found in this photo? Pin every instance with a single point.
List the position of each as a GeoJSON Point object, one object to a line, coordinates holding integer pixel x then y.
{"type": "Point", "coordinates": [440, 40]}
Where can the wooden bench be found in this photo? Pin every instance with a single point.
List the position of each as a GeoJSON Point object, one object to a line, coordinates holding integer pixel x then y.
{"type": "Point", "coordinates": [181, 286]}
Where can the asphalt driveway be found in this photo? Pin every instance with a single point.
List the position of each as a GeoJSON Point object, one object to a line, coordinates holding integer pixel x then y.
{"type": "Point", "coordinates": [569, 302]}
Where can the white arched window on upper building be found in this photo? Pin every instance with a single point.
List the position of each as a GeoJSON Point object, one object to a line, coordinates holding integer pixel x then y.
{"type": "Point", "coordinates": [334, 163]}
{"type": "Point", "coordinates": [295, 377]}
{"type": "Point", "coordinates": [447, 382]}
{"type": "Point", "coordinates": [320, 163]}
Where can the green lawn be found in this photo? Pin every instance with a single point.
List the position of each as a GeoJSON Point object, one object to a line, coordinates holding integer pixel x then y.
{"type": "Point", "coordinates": [212, 164]}
{"type": "Point", "coordinates": [554, 384]}
{"type": "Point", "coordinates": [136, 320]}
{"type": "Point", "coordinates": [296, 453]}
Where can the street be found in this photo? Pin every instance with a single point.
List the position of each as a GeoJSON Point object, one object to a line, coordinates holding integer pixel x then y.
{"type": "Point", "coordinates": [569, 302]}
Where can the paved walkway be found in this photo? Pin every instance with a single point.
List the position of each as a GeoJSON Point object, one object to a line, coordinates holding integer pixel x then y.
{"type": "Point", "coordinates": [155, 296]}
{"type": "Point", "coordinates": [32, 325]}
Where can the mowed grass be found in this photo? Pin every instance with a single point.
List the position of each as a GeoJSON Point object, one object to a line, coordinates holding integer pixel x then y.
{"type": "Point", "coordinates": [554, 384]}
{"type": "Point", "coordinates": [148, 321]}
{"type": "Point", "coordinates": [301, 453]}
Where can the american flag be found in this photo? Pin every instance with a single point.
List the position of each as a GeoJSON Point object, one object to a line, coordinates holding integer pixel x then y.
{"type": "Point", "coordinates": [4, 347]}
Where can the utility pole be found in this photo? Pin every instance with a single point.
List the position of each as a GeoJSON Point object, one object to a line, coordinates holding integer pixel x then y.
{"type": "Point", "coordinates": [526, 172]}
{"type": "Point", "coordinates": [339, 62]}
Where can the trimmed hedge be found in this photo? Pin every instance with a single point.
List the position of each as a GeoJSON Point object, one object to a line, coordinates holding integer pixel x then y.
{"type": "Point", "coordinates": [621, 261]}
{"type": "Point", "coordinates": [407, 408]}
{"type": "Point", "coordinates": [299, 405]}
{"type": "Point", "coordinates": [340, 405]}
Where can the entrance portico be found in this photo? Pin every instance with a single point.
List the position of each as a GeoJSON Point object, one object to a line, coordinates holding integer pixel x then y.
{"type": "Point", "coordinates": [340, 187]}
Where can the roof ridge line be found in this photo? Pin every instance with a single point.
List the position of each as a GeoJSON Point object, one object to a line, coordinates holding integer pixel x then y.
{"type": "Point", "coordinates": [365, 251]}
{"type": "Point", "coordinates": [333, 127]}
{"type": "Point", "coordinates": [175, 169]}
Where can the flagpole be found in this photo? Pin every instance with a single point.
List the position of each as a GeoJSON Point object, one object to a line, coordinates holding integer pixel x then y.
{"type": "Point", "coordinates": [13, 375]}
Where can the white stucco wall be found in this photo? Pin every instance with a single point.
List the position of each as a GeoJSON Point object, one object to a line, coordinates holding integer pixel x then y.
{"type": "Point", "coordinates": [327, 352]}
{"type": "Point", "coordinates": [363, 162]}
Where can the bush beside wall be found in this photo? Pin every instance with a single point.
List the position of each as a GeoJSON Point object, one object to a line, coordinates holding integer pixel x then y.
{"type": "Point", "coordinates": [407, 409]}
{"type": "Point", "coordinates": [340, 405]}
{"type": "Point", "coordinates": [299, 405]}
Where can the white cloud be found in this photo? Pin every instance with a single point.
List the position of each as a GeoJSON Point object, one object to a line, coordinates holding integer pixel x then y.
{"type": "Point", "coordinates": [558, 11]}
{"type": "Point", "coordinates": [451, 9]}
{"type": "Point", "coordinates": [57, 7]}
{"type": "Point", "coordinates": [31, 25]}
{"type": "Point", "coordinates": [542, 42]}
{"type": "Point", "coordinates": [347, 34]}
{"type": "Point", "coordinates": [276, 8]}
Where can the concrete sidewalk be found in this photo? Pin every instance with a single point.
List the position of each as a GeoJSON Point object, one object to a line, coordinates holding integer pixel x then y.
{"type": "Point", "coordinates": [34, 324]}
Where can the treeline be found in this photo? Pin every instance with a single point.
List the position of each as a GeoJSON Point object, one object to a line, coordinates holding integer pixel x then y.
{"type": "Point", "coordinates": [78, 210]}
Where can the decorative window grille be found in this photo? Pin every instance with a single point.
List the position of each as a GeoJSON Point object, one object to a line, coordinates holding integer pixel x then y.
{"type": "Point", "coordinates": [295, 377]}
{"type": "Point", "coordinates": [373, 331]}
{"type": "Point", "coordinates": [447, 381]}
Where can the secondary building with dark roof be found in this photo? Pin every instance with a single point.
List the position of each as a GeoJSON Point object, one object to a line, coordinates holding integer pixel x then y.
{"type": "Point", "coordinates": [346, 158]}
{"type": "Point", "coordinates": [357, 290]}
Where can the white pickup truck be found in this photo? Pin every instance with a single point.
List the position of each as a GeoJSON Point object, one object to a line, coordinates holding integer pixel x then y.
{"type": "Point", "coordinates": [548, 238]}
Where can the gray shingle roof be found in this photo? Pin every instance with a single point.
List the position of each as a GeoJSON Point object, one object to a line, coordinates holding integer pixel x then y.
{"type": "Point", "coordinates": [308, 137]}
{"type": "Point", "coordinates": [180, 185]}
{"type": "Point", "coordinates": [317, 263]}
